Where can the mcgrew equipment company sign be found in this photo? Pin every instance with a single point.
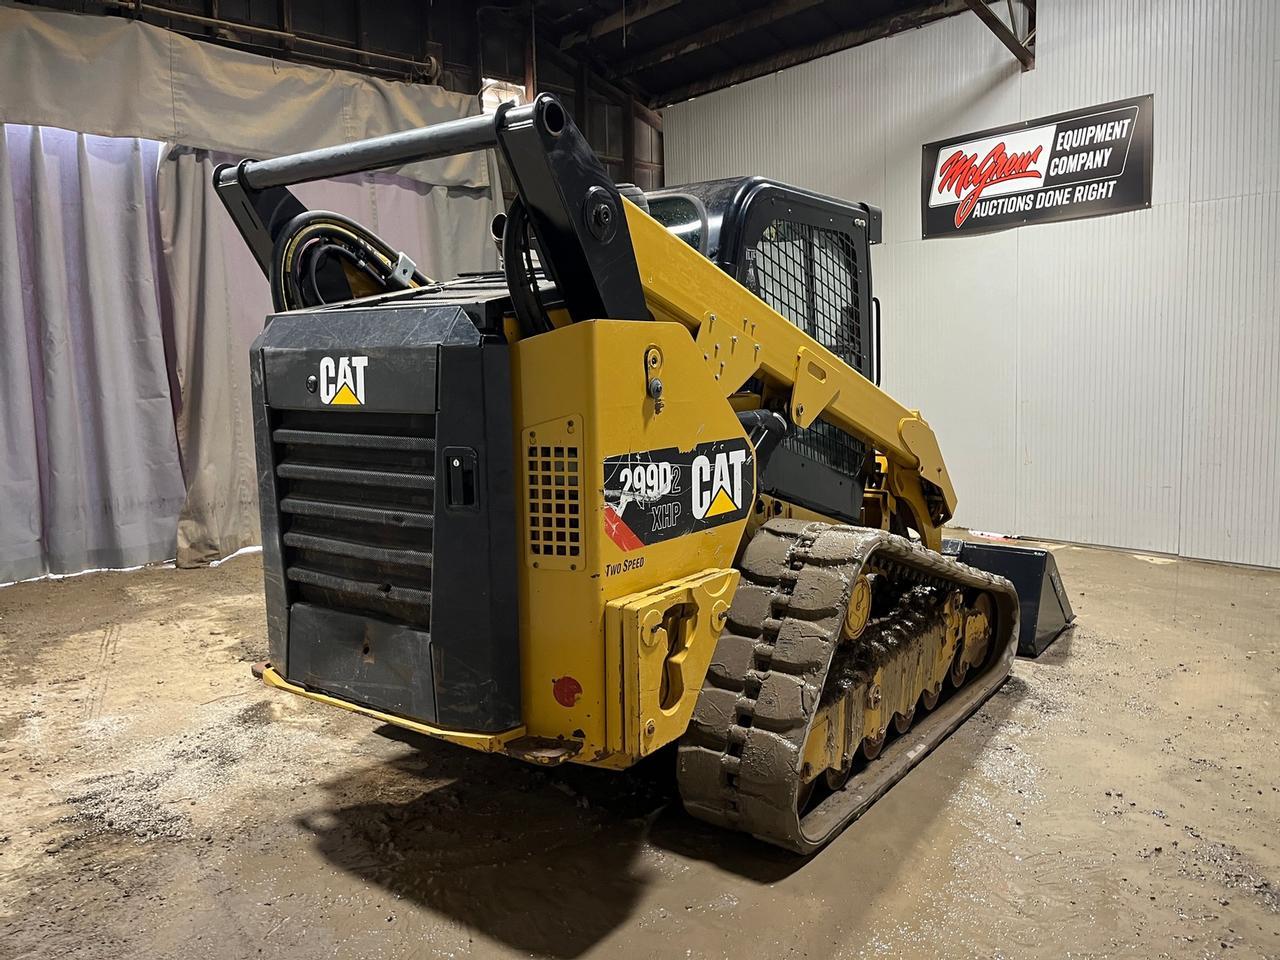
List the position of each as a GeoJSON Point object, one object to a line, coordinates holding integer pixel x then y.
{"type": "Point", "coordinates": [1085, 163]}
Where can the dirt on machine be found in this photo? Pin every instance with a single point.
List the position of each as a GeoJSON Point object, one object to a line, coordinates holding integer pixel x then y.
{"type": "Point", "coordinates": [639, 488]}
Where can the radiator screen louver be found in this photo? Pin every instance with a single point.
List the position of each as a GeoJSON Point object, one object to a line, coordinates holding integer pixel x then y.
{"type": "Point", "coordinates": [357, 501]}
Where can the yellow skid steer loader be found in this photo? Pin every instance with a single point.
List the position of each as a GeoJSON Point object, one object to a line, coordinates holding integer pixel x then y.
{"type": "Point", "coordinates": [638, 488]}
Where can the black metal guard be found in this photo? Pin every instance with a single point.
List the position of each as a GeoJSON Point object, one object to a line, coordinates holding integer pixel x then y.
{"type": "Point", "coordinates": [574, 208]}
{"type": "Point", "coordinates": [446, 139]}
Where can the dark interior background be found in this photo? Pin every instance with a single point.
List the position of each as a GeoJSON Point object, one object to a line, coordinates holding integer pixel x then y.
{"type": "Point", "coordinates": [613, 62]}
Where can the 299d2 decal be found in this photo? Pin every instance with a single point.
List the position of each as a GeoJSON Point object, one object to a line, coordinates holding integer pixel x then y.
{"type": "Point", "coordinates": [658, 495]}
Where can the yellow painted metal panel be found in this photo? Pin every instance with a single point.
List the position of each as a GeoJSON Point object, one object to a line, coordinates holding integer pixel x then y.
{"type": "Point", "coordinates": [740, 336]}
{"type": "Point", "coordinates": [594, 374]}
{"type": "Point", "coordinates": [662, 641]}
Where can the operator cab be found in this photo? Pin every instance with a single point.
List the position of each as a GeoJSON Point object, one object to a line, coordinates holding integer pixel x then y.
{"type": "Point", "coordinates": [808, 257]}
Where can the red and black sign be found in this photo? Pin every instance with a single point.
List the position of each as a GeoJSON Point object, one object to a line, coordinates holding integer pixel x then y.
{"type": "Point", "coordinates": [1085, 163]}
{"type": "Point", "coordinates": [657, 495]}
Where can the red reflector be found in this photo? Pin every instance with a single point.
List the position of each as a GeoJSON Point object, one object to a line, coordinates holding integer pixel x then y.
{"type": "Point", "coordinates": [566, 691]}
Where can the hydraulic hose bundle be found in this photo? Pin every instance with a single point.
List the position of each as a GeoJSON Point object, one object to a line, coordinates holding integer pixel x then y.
{"type": "Point", "coordinates": [324, 258]}
{"type": "Point", "coordinates": [321, 258]}
{"type": "Point", "coordinates": [522, 271]}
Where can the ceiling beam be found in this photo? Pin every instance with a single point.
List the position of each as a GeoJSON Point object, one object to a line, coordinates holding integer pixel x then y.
{"type": "Point", "coordinates": [716, 34]}
{"type": "Point", "coordinates": [833, 44]}
{"type": "Point", "coordinates": [604, 84]}
{"type": "Point", "coordinates": [1004, 33]}
{"type": "Point", "coordinates": [640, 10]}
{"type": "Point", "coordinates": [566, 17]}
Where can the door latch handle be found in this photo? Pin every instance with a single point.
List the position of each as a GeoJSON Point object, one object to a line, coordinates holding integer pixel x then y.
{"type": "Point", "coordinates": [462, 488]}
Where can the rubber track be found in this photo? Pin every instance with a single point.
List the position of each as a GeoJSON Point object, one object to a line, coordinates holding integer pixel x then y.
{"type": "Point", "coordinates": [739, 762]}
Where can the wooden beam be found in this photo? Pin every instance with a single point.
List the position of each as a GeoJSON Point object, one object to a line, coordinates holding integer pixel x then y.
{"type": "Point", "coordinates": [284, 10]}
{"type": "Point", "coordinates": [651, 117]}
{"type": "Point", "coordinates": [581, 90]}
{"type": "Point", "coordinates": [640, 10]}
{"type": "Point", "coordinates": [566, 17]}
{"type": "Point", "coordinates": [531, 60]}
{"type": "Point", "coordinates": [362, 34]}
{"type": "Point", "coordinates": [610, 79]}
{"type": "Point", "coordinates": [602, 83]}
{"type": "Point", "coordinates": [716, 34]}
{"type": "Point", "coordinates": [1003, 33]}
{"type": "Point", "coordinates": [884, 27]}
{"type": "Point", "coordinates": [629, 141]}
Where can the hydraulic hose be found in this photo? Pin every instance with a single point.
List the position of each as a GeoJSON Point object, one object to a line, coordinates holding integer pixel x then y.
{"type": "Point", "coordinates": [521, 273]}
{"type": "Point", "coordinates": [321, 258]}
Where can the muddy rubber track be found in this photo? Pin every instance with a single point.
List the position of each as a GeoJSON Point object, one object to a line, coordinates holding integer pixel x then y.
{"type": "Point", "coordinates": [739, 762]}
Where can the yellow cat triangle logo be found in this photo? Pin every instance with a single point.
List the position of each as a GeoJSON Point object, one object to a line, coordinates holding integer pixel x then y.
{"type": "Point", "coordinates": [344, 397]}
{"type": "Point", "coordinates": [721, 504]}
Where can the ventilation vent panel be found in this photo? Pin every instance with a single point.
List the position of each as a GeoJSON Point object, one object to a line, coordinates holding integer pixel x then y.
{"type": "Point", "coordinates": [553, 476]}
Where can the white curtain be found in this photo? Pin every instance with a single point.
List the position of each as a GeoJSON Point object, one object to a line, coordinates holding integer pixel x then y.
{"type": "Point", "coordinates": [89, 470]}
{"type": "Point", "coordinates": [127, 306]}
{"type": "Point", "coordinates": [127, 299]}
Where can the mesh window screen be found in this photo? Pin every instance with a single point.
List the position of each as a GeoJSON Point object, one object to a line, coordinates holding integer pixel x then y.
{"type": "Point", "coordinates": [809, 275]}
{"type": "Point", "coordinates": [828, 444]}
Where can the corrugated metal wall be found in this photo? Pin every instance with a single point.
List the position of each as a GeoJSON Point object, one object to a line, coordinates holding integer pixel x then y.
{"type": "Point", "coordinates": [1111, 381]}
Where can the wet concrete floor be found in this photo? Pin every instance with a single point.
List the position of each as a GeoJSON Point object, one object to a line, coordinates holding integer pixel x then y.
{"type": "Point", "coordinates": [1120, 797]}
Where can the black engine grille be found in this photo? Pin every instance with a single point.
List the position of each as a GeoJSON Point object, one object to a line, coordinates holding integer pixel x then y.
{"type": "Point", "coordinates": [357, 500]}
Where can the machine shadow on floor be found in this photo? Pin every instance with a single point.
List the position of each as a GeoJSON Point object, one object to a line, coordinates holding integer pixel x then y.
{"type": "Point", "coordinates": [545, 861]}
{"type": "Point", "coordinates": [1059, 651]}
{"type": "Point", "coordinates": [550, 862]}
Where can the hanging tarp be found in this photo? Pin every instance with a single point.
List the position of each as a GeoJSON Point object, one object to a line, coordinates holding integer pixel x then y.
{"type": "Point", "coordinates": [123, 78]}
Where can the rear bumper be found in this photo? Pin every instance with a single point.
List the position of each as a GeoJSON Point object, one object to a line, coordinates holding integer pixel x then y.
{"type": "Point", "coordinates": [484, 742]}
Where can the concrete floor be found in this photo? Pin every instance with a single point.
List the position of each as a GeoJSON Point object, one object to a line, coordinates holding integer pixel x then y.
{"type": "Point", "coordinates": [1118, 798]}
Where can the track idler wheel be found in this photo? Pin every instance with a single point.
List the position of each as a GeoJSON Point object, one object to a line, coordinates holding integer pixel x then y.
{"type": "Point", "coordinates": [975, 641]}
{"type": "Point", "coordinates": [836, 779]}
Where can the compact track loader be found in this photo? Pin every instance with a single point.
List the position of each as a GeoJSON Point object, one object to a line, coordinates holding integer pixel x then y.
{"type": "Point", "coordinates": [639, 488]}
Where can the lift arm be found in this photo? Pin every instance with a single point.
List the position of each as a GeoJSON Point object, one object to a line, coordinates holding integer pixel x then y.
{"type": "Point", "coordinates": [610, 260]}
{"type": "Point", "coordinates": [742, 337]}
{"type": "Point", "coordinates": [574, 207]}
